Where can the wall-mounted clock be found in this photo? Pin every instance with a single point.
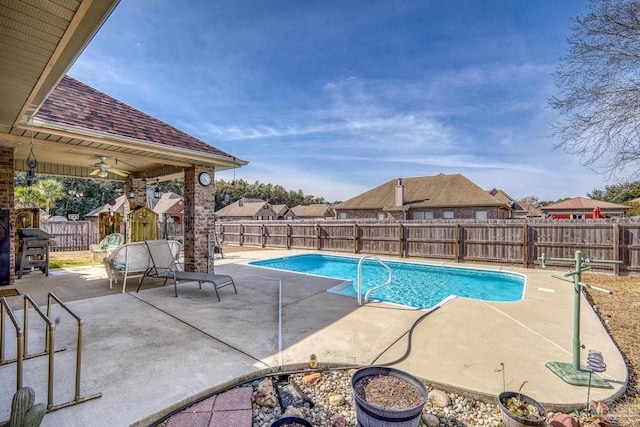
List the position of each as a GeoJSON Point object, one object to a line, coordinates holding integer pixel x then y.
{"type": "Point", "coordinates": [204, 179]}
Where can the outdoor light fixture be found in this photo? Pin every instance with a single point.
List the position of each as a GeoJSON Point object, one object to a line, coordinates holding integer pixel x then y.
{"type": "Point", "coordinates": [103, 174]}
{"type": "Point", "coordinates": [132, 194]}
{"type": "Point", "coordinates": [156, 193]}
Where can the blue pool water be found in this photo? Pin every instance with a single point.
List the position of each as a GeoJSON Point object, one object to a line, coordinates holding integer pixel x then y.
{"type": "Point", "coordinates": [415, 285]}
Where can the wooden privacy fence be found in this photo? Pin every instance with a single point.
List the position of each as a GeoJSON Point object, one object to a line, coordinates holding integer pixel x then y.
{"type": "Point", "coordinates": [78, 235]}
{"type": "Point", "coordinates": [512, 242]}
{"type": "Point", "coordinates": [72, 235]}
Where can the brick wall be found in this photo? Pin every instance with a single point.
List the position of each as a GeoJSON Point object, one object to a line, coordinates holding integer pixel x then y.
{"type": "Point", "coordinates": [199, 217]}
{"type": "Point", "coordinates": [458, 213]}
{"type": "Point", "coordinates": [7, 201]}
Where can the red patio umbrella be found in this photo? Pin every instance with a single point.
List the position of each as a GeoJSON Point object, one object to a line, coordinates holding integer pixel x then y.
{"type": "Point", "coordinates": [596, 213]}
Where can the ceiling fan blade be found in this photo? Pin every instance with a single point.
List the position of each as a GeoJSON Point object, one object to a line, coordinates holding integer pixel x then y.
{"type": "Point", "coordinates": [119, 172]}
{"type": "Point", "coordinates": [94, 172]}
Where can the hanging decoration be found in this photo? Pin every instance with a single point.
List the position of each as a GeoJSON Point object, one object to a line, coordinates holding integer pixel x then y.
{"type": "Point", "coordinates": [32, 163]}
{"type": "Point", "coordinates": [132, 192]}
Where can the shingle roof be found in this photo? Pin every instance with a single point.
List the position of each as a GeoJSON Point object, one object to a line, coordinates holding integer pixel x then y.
{"type": "Point", "coordinates": [248, 209]}
{"type": "Point", "coordinates": [280, 209]}
{"type": "Point", "coordinates": [166, 202]}
{"type": "Point", "coordinates": [428, 191]}
{"type": "Point", "coordinates": [583, 203]}
{"type": "Point", "coordinates": [317, 210]}
{"type": "Point", "coordinates": [118, 207]}
{"type": "Point", "coordinates": [79, 105]}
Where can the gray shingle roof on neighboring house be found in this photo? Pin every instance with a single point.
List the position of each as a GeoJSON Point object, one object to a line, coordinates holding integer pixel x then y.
{"type": "Point", "coordinates": [428, 191]}
{"type": "Point", "coordinates": [118, 207]}
{"type": "Point", "coordinates": [280, 209]}
{"type": "Point", "coordinates": [317, 210]}
{"type": "Point", "coordinates": [248, 208]}
{"type": "Point", "coordinates": [166, 201]}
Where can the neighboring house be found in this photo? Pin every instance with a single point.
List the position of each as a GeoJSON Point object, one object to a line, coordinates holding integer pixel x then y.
{"type": "Point", "coordinates": [518, 210]}
{"type": "Point", "coordinates": [582, 208]}
{"type": "Point", "coordinates": [422, 198]}
{"type": "Point", "coordinates": [315, 211]}
{"type": "Point", "coordinates": [117, 207]}
{"type": "Point", "coordinates": [530, 211]}
{"type": "Point", "coordinates": [282, 212]}
{"type": "Point", "coordinates": [169, 205]}
{"type": "Point", "coordinates": [247, 209]}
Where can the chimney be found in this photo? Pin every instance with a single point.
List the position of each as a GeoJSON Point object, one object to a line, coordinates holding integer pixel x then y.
{"type": "Point", "coordinates": [399, 193]}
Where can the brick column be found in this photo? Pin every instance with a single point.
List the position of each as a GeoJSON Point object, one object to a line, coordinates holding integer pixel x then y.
{"type": "Point", "coordinates": [7, 202]}
{"type": "Point", "coordinates": [199, 210]}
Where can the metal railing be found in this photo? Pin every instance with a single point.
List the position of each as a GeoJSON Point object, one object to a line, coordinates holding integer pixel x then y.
{"type": "Point", "coordinates": [22, 346]}
{"type": "Point", "coordinates": [366, 297]}
{"type": "Point", "coordinates": [4, 308]}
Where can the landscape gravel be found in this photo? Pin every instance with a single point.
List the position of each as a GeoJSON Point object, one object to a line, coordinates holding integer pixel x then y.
{"type": "Point", "coordinates": [334, 387]}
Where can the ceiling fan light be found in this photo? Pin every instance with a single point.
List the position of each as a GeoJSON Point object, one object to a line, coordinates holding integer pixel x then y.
{"type": "Point", "coordinates": [103, 174]}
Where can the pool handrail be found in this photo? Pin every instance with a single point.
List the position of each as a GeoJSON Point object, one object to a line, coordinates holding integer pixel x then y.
{"type": "Point", "coordinates": [366, 297]}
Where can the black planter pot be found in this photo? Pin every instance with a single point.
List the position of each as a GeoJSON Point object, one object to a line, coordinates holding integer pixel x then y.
{"type": "Point", "coordinates": [511, 420]}
{"type": "Point", "coordinates": [291, 420]}
{"type": "Point", "coordinates": [372, 416]}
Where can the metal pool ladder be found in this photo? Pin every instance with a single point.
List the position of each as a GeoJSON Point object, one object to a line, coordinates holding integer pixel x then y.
{"type": "Point", "coordinates": [366, 296]}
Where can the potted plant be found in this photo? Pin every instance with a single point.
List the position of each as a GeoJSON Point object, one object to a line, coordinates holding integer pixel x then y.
{"type": "Point", "coordinates": [387, 396]}
{"type": "Point", "coordinates": [291, 422]}
{"type": "Point", "coordinates": [519, 410]}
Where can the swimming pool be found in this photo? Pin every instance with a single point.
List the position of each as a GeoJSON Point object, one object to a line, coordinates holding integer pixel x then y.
{"type": "Point", "coordinates": [415, 285]}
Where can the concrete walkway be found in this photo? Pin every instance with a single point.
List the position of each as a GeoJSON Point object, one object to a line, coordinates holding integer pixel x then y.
{"type": "Point", "coordinates": [150, 353]}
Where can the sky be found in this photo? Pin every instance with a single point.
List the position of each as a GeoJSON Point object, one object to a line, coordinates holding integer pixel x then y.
{"type": "Point", "coordinates": [337, 97]}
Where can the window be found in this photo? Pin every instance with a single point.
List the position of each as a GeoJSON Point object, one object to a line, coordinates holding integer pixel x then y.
{"type": "Point", "coordinates": [447, 215]}
{"type": "Point", "coordinates": [422, 215]}
{"type": "Point", "coordinates": [342, 215]}
{"type": "Point", "coordinates": [481, 214]}
{"type": "Point", "coordinates": [381, 216]}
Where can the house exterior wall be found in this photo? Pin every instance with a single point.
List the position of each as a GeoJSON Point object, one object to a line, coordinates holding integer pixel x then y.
{"type": "Point", "coordinates": [266, 212]}
{"type": "Point", "coordinates": [438, 213]}
{"type": "Point", "coordinates": [7, 202]}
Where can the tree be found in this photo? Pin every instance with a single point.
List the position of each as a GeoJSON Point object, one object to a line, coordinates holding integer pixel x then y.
{"type": "Point", "coordinates": [27, 197]}
{"type": "Point", "coordinates": [618, 193]}
{"type": "Point", "coordinates": [599, 87]}
{"type": "Point", "coordinates": [50, 191]}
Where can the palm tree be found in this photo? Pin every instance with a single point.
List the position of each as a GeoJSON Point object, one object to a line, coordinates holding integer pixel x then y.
{"type": "Point", "coordinates": [27, 197]}
{"type": "Point", "coordinates": [51, 190]}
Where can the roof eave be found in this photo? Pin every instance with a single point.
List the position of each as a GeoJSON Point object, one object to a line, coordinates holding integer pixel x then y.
{"type": "Point", "coordinates": [221, 162]}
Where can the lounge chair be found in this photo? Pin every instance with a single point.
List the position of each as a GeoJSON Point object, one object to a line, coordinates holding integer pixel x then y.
{"type": "Point", "coordinates": [165, 266]}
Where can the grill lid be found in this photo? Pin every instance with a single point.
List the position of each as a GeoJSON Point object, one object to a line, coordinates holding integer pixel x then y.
{"type": "Point", "coordinates": [33, 233]}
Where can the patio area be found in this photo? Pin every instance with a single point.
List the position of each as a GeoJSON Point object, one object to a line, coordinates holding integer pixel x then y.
{"type": "Point", "coordinates": [149, 353]}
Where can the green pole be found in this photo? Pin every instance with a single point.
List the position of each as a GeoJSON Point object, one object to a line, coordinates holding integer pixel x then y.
{"type": "Point", "coordinates": [576, 311]}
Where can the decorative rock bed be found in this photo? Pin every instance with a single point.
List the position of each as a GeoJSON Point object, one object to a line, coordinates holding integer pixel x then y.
{"type": "Point", "coordinates": [329, 403]}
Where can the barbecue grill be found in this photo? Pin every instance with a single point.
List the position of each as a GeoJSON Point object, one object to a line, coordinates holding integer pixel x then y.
{"type": "Point", "coordinates": [33, 250]}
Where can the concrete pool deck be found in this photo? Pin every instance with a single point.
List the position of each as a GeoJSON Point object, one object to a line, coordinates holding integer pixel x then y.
{"type": "Point", "coordinates": [149, 353]}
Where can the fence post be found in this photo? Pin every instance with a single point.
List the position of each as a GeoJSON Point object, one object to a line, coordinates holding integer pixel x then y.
{"type": "Point", "coordinates": [317, 237]}
{"type": "Point", "coordinates": [459, 237]}
{"type": "Point", "coordinates": [241, 235]}
{"type": "Point", "coordinates": [355, 238]}
{"type": "Point", "coordinates": [288, 236]}
{"type": "Point", "coordinates": [262, 236]}
{"type": "Point", "coordinates": [616, 248]}
{"type": "Point", "coordinates": [400, 240]}
{"type": "Point", "coordinates": [525, 245]}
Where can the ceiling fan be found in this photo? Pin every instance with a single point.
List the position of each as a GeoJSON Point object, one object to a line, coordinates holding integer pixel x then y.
{"type": "Point", "coordinates": [102, 169]}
